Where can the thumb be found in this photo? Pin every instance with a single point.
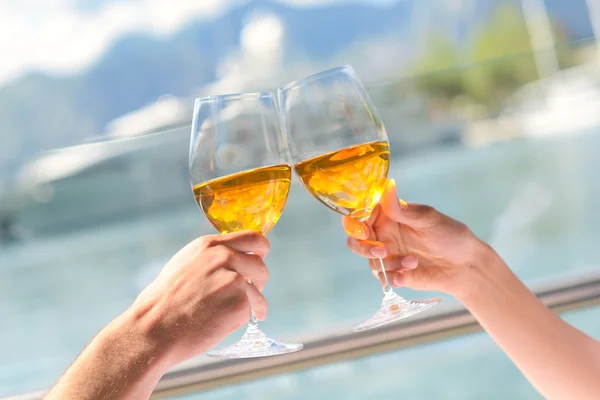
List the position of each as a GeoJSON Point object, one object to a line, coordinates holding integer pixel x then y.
{"type": "Point", "coordinates": [413, 215]}
{"type": "Point", "coordinates": [355, 228]}
{"type": "Point", "coordinates": [391, 205]}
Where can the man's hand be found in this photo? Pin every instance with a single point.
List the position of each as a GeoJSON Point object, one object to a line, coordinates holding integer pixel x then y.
{"type": "Point", "coordinates": [422, 248]}
{"type": "Point", "coordinates": [202, 295]}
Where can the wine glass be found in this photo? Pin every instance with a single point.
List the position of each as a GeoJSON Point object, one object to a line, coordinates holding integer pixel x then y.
{"type": "Point", "coordinates": [241, 182]}
{"type": "Point", "coordinates": [340, 151]}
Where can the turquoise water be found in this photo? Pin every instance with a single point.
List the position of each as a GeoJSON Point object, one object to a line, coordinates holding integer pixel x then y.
{"type": "Point", "coordinates": [536, 201]}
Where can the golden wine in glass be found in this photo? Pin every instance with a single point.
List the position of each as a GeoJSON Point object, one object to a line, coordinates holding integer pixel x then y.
{"type": "Point", "coordinates": [340, 151]}
{"type": "Point", "coordinates": [249, 200]}
{"type": "Point", "coordinates": [241, 180]}
{"type": "Point", "coordinates": [350, 180]}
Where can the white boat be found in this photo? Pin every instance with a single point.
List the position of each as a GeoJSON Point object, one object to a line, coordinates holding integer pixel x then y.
{"type": "Point", "coordinates": [567, 103]}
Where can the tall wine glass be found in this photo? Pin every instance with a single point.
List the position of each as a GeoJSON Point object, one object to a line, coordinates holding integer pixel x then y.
{"type": "Point", "coordinates": [241, 182]}
{"type": "Point", "coordinates": [340, 151]}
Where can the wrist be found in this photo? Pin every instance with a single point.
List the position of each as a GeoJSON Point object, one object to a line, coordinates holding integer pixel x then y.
{"type": "Point", "coordinates": [478, 272]}
{"type": "Point", "coordinates": [135, 335]}
{"type": "Point", "coordinates": [122, 362]}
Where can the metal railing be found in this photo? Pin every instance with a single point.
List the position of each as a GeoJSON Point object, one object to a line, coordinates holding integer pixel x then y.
{"type": "Point", "coordinates": [570, 295]}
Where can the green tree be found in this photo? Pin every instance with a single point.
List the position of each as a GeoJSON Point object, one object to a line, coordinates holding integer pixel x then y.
{"type": "Point", "coordinates": [500, 54]}
{"type": "Point", "coordinates": [437, 69]}
{"type": "Point", "coordinates": [503, 57]}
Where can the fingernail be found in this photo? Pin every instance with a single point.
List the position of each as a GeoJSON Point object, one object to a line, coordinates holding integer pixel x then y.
{"type": "Point", "coordinates": [379, 252]}
{"type": "Point", "coordinates": [397, 280]}
{"type": "Point", "coordinates": [359, 232]}
{"type": "Point", "coordinates": [410, 262]}
{"type": "Point", "coordinates": [403, 204]}
{"type": "Point", "coordinates": [390, 185]}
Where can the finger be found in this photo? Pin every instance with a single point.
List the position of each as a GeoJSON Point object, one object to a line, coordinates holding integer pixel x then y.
{"type": "Point", "coordinates": [244, 242]}
{"type": "Point", "coordinates": [395, 263]}
{"type": "Point", "coordinates": [367, 248]}
{"type": "Point", "coordinates": [410, 214]}
{"type": "Point", "coordinates": [401, 262]}
{"type": "Point", "coordinates": [250, 266]}
{"type": "Point", "coordinates": [258, 302]}
{"type": "Point", "coordinates": [355, 228]}
{"type": "Point", "coordinates": [395, 278]}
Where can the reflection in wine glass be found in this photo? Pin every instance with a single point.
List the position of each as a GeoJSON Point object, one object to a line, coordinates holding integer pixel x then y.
{"type": "Point", "coordinates": [241, 181]}
{"type": "Point", "coordinates": [340, 151]}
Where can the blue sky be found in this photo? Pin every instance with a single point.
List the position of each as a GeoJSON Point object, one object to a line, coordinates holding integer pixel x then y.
{"type": "Point", "coordinates": [63, 36]}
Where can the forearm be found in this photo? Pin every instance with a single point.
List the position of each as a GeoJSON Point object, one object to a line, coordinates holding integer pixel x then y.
{"type": "Point", "coordinates": [121, 362]}
{"type": "Point", "coordinates": [560, 361]}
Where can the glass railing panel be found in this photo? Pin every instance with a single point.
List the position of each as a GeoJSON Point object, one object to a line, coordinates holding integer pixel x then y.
{"type": "Point", "coordinates": [468, 367]}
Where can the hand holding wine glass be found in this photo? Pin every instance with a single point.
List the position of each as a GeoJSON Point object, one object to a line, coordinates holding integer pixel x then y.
{"type": "Point", "coordinates": [422, 248]}
{"type": "Point", "coordinates": [340, 151]}
{"type": "Point", "coordinates": [202, 294]}
{"type": "Point", "coordinates": [241, 181]}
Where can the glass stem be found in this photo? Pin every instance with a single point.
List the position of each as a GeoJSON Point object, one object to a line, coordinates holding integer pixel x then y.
{"type": "Point", "coordinates": [387, 290]}
{"type": "Point", "coordinates": [253, 323]}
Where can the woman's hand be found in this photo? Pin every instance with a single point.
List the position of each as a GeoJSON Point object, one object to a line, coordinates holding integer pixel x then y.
{"type": "Point", "coordinates": [422, 248]}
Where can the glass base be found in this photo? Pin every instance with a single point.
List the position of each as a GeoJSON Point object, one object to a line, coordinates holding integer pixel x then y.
{"type": "Point", "coordinates": [255, 343]}
{"type": "Point", "coordinates": [394, 308]}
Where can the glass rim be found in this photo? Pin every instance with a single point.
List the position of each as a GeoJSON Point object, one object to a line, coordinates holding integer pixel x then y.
{"type": "Point", "coordinates": [232, 96]}
{"type": "Point", "coordinates": [318, 75]}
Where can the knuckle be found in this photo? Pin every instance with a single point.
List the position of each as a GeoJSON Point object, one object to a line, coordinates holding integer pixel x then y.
{"type": "Point", "coordinates": [234, 280]}
{"type": "Point", "coordinates": [428, 210]}
{"type": "Point", "coordinates": [252, 235]}
{"type": "Point", "coordinates": [239, 280]}
{"type": "Point", "coordinates": [429, 214]}
{"type": "Point", "coordinates": [462, 229]}
{"type": "Point", "coordinates": [224, 255]}
{"type": "Point", "coordinates": [259, 239]}
{"type": "Point", "coordinates": [229, 288]}
{"type": "Point", "coordinates": [208, 241]}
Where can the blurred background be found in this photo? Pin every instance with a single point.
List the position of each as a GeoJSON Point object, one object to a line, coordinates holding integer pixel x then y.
{"type": "Point", "coordinates": [491, 107]}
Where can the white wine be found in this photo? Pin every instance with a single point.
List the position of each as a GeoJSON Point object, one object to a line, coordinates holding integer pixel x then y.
{"type": "Point", "coordinates": [249, 200]}
{"type": "Point", "coordinates": [349, 181]}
